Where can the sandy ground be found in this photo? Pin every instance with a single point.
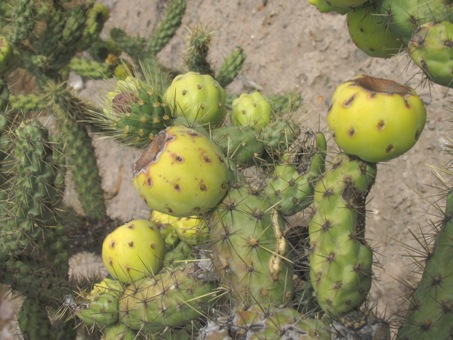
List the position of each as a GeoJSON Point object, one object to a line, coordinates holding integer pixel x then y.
{"type": "Point", "coordinates": [291, 46]}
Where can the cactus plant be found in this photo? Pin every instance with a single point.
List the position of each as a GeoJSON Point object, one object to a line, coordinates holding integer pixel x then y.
{"type": "Point", "coordinates": [221, 264]}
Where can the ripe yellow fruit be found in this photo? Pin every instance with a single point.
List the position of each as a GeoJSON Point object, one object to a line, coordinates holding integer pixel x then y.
{"type": "Point", "coordinates": [182, 173]}
{"type": "Point", "coordinates": [133, 251]}
{"type": "Point", "coordinates": [375, 119]}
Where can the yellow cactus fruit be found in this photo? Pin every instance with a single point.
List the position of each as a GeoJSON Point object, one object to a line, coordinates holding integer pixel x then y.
{"type": "Point", "coordinates": [133, 251]}
{"type": "Point", "coordinates": [192, 230]}
{"type": "Point", "coordinates": [375, 119]}
{"type": "Point", "coordinates": [182, 173]}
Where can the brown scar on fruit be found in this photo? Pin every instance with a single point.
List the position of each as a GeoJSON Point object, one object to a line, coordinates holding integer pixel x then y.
{"type": "Point", "coordinates": [348, 102]}
{"type": "Point", "coordinates": [153, 151]}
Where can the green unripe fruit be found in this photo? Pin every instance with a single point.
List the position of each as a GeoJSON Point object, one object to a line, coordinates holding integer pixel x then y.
{"type": "Point", "coordinates": [133, 250]}
{"type": "Point", "coordinates": [375, 119]}
{"type": "Point", "coordinates": [370, 32]}
{"type": "Point", "coordinates": [251, 110]}
{"type": "Point", "coordinates": [182, 173]}
{"type": "Point", "coordinates": [197, 97]}
{"type": "Point", "coordinates": [431, 48]}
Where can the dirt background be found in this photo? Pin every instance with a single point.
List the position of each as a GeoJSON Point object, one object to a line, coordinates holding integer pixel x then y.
{"type": "Point", "coordinates": [291, 46]}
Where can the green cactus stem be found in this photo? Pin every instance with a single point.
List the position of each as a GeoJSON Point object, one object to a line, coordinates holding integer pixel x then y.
{"type": "Point", "coordinates": [196, 57]}
{"type": "Point", "coordinates": [82, 162]}
{"type": "Point", "coordinates": [291, 187]}
{"type": "Point", "coordinates": [169, 299]}
{"type": "Point", "coordinates": [340, 259]}
{"type": "Point", "coordinates": [231, 67]}
{"type": "Point", "coordinates": [430, 314]}
{"type": "Point", "coordinates": [31, 193]}
{"type": "Point", "coordinates": [34, 322]}
{"type": "Point", "coordinates": [168, 27]}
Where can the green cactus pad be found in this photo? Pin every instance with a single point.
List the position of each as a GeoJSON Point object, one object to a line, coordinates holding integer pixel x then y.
{"type": "Point", "coordinates": [278, 136]}
{"type": "Point", "coordinates": [251, 257]}
{"type": "Point", "coordinates": [100, 306]}
{"type": "Point", "coordinates": [172, 298]}
{"type": "Point", "coordinates": [407, 15]}
{"type": "Point", "coordinates": [239, 144]}
{"type": "Point", "coordinates": [291, 187]}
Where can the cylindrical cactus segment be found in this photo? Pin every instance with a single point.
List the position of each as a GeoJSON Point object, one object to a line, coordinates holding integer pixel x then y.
{"type": "Point", "coordinates": [171, 298]}
{"type": "Point", "coordinates": [168, 27]}
{"type": "Point", "coordinates": [231, 67]}
{"type": "Point", "coordinates": [196, 57]}
{"type": "Point", "coordinates": [33, 320]}
{"type": "Point", "coordinates": [251, 256]}
{"type": "Point", "coordinates": [80, 158]}
{"type": "Point", "coordinates": [340, 259]}
{"type": "Point", "coordinates": [32, 194]}
{"type": "Point", "coordinates": [430, 314]}
{"type": "Point", "coordinates": [291, 187]}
